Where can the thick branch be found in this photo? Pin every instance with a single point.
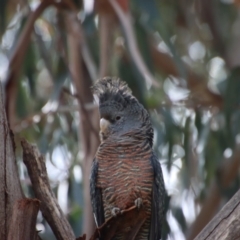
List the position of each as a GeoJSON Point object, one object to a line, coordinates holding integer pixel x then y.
{"type": "Point", "coordinates": [49, 206]}
{"type": "Point", "coordinates": [23, 220]}
{"type": "Point", "coordinates": [226, 224]}
{"type": "Point", "coordinates": [227, 173]}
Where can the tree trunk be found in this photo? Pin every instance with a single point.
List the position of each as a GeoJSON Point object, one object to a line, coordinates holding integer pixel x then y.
{"type": "Point", "coordinates": [10, 188]}
{"type": "Point", "coordinates": [23, 220]}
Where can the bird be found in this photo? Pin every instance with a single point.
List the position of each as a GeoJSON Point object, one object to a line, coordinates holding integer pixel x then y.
{"type": "Point", "coordinates": [125, 172]}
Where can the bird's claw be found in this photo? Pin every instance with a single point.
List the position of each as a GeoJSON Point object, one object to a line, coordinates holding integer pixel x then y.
{"type": "Point", "coordinates": [138, 202]}
{"type": "Point", "coordinates": [115, 211]}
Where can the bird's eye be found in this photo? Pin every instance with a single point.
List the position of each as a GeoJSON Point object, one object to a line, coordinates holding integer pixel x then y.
{"type": "Point", "coordinates": [118, 117]}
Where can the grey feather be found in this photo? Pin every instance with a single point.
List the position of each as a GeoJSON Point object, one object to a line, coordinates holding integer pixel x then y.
{"type": "Point", "coordinates": [96, 196]}
{"type": "Point", "coordinates": [158, 197]}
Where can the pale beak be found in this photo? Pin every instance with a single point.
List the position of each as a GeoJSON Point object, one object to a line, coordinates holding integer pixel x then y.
{"type": "Point", "coordinates": [104, 124]}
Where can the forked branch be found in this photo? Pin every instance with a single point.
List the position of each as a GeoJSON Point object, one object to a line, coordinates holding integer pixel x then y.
{"type": "Point", "coordinates": [49, 207]}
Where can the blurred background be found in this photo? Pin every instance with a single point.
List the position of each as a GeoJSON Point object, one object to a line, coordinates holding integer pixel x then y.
{"type": "Point", "coordinates": [180, 58]}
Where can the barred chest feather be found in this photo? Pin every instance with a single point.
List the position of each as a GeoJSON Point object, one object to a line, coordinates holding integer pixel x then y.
{"type": "Point", "coordinates": [124, 174]}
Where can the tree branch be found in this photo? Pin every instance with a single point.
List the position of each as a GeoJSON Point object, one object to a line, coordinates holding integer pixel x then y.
{"type": "Point", "coordinates": [125, 20]}
{"type": "Point", "coordinates": [89, 120]}
{"type": "Point", "coordinates": [227, 173]}
{"type": "Point", "coordinates": [49, 206]}
{"type": "Point", "coordinates": [106, 22]}
{"type": "Point", "coordinates": [226, 224]}
{"type": "Point", "coordinates": [17, 58]}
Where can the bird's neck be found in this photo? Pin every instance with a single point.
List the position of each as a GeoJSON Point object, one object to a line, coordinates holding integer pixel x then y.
{"type": "Point", "coordinates": [130, 138]}
{"type": "Point", "coordinates": [124, 146]}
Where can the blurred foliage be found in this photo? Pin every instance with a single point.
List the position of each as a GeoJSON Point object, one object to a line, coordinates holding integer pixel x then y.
{"type": "Point", "coordinates": [192, 139]}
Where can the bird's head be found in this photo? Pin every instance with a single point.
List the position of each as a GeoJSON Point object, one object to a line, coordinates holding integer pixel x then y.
{"type": "Point", "coordinates": [120, 112]}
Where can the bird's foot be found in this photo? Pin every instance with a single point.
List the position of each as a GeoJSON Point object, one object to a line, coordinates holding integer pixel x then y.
{"type": "Point", "coordinates": [138, 202]}
{"type": "Point", "coordinates": [116, 211]}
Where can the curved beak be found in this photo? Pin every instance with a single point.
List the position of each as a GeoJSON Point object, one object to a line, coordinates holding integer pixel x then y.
{"type": "Point", "coordinates": [104, 124]}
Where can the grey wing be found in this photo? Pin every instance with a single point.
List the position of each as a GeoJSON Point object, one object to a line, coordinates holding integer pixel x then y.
{"type": "Point", "coordinates": [158, 197]}
{"type": "Point", "coordinates": [96, 195]}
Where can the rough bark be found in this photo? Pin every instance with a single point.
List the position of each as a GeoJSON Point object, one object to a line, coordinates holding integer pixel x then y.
{"type": "Point", "coordinates": [10, 188]}
{"type": "Point", "coordinates": [50, 209]}
{"type": "Point", "coordinates": [226, 224]}
{"type": "Point", "coordinates": [23, 220]}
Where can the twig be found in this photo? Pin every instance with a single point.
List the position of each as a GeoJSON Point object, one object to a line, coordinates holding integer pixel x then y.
{"type": "Point", "coordinates": [49, 206]}
{"type": "Point", "coordinates": [29, 120]}
{"type": "Point", "coordinates": [118, 214]}
{"type": "Point", "coordinates": [106, 226]}
{"type": "Point", "coordinates": [125, 20]}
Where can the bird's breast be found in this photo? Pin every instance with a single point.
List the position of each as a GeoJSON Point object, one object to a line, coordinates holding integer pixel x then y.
{"type": "Point", "coordinates": [124, 174]}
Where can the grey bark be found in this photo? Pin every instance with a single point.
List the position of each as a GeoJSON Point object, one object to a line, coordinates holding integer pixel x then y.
{"type": "Point", "coordinates": [10, 187]}
{"type": "Point", "coordinates": [226, 224]}
{"type": "Point", "coordinates": [49, 206]}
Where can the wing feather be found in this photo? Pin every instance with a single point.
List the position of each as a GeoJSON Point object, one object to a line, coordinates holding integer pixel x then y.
{"type": "Point", "coordinates": [96, 195]}
{"type": "Point", "coordinates": [158, 197]}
